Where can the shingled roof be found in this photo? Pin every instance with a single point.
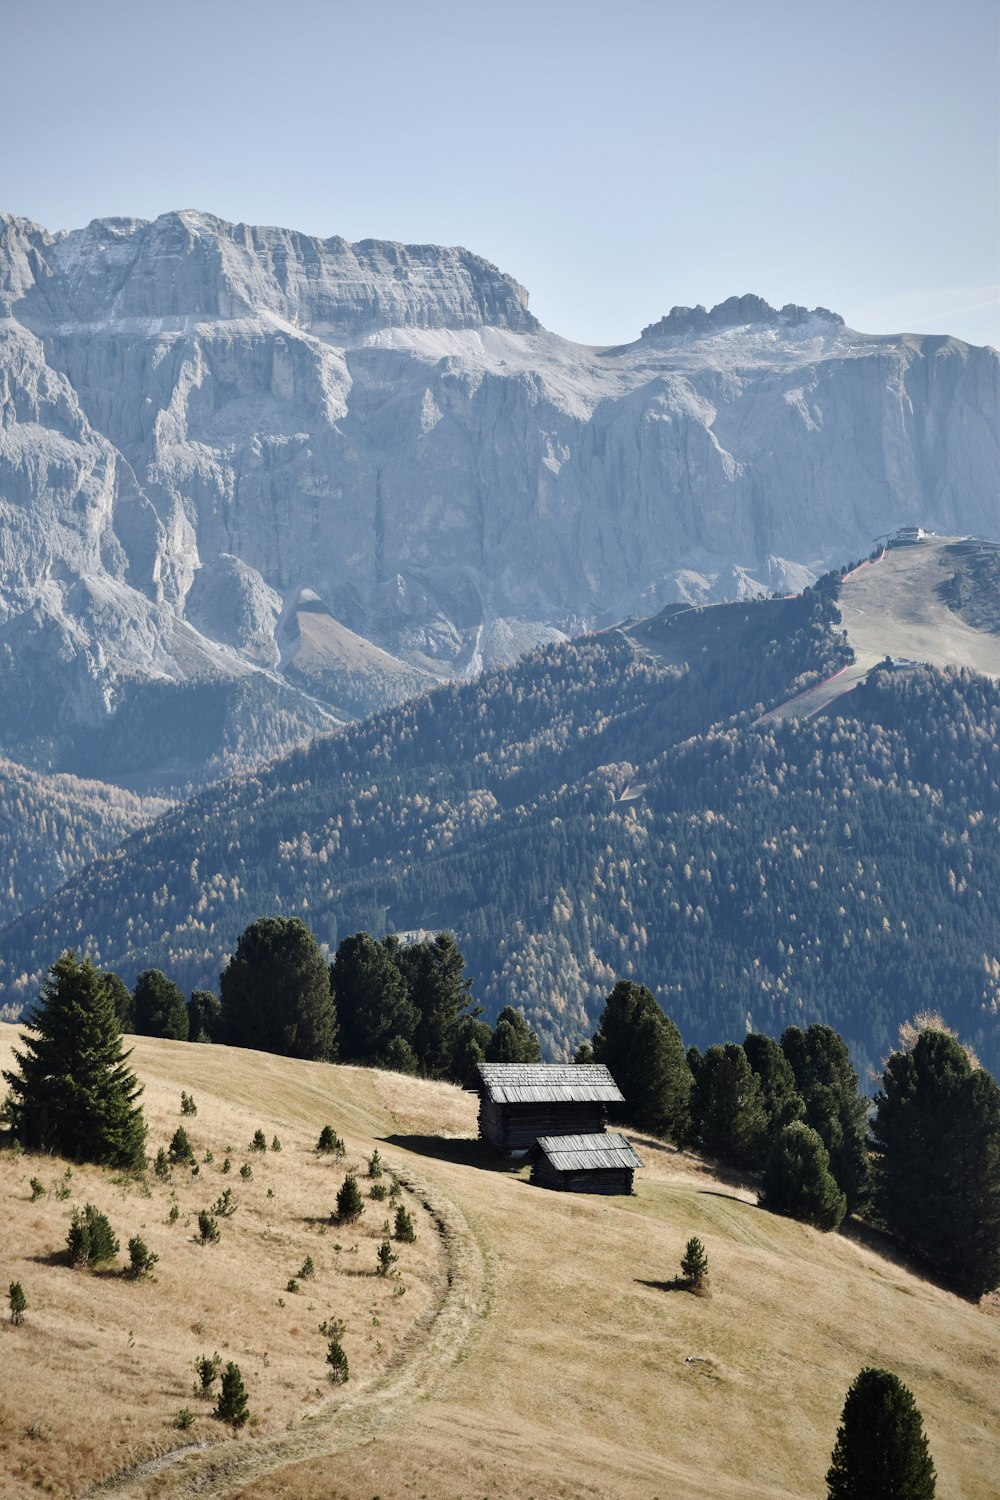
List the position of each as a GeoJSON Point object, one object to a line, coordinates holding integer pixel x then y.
{"type": "Point", "coordinates": [588, 1153]}
{"type": "Point", "coordinates": [548, 1083]}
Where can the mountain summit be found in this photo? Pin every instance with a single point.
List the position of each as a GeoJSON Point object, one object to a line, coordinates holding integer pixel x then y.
{"type": "Point", "coordinates": [330, 472]}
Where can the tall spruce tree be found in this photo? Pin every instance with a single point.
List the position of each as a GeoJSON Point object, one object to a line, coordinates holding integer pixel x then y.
{"type": "Point", "coordinates": [513, 1040]}
{"type": "Point", "coordinates": [373, 1005]}
{"type": "Point", "coordinates": [782, 1101]}
{"type": "Point", "coordinates": [881, 1452]}
{"type": "Point", "coordinates": [275, 992]}
{"type": "Point", "coordinates": [835, 1108]}
{"type": "Point", "coordinates": [158, 1007]}
{"type": "Point", "coordinates": [441, 997]}
{"type": "Point", "coordinates": [797, 1179]}
{"type": "Point", "coordinates": [641, 1048]}
{"type": "Point", "coordinates": [728, 1106]}
{"type": "Point", "coordinates": [936, 1138]}
{"type": "Point", "coordinates": [73, 1093]}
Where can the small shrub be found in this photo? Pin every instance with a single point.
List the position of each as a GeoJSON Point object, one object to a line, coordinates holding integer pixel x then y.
{"type": "Point", "coordinates": [375, 1164]}
{"type": "Point", "coordinates": [180, 1150]}
{"type": "Point", "coordinates": [337, 1360]}
{"type": "Point", "coordinates": [275, 1144]}
{"type": "Point", "coordinates": [694, 1264]}
{"type": "Point", "coordinates": [184, 1418]}
{"type": "Point", "coordinates": [208, 1158]}
{"type": "Point", "coordinates": [188, 1106]}
{"type": "Point", "coordinates": [90, 1239]}
{"type": "Point", "coordinates": [174, 1214]}
{"type": "Point", "coordinates": [308, 1269]}
{"type": "Point", "coordinates": [231, 1406]}
{"type": "Point", "coordinates": [378, 1191]}
{"type": "Point", "coordinates": [141, 1258]}
{"type": "Point", "coordinates": [246, 1172]}
{"type": "Point", "coordinates": [394, 1191]}
{"type": "Point", "coordinates": [161, 1166]}
{"type": "Point", "coordinates": [333, 1328]}
{"type": "Point", "coordinates": [330, 1144]}
{"type": "Point", "coordinates": [18, 1302]}
{"type": "Point", "coordinates": [292, 1285]}
{"type": "Point", "coordinates": [225, 1205]}
{"type": "Point", "coordinates": [38, 1189]}
{"type": "Point", "coordinates": [206, 1367]}
{"type": "Point", "coordinates": [259, 1142]}
{"type": "Point", "coordinates": [208, 1229]}
{"type": "Point", "coordinates": [385, 1259]}
{"type": "Point", "coordinates": [404, 1230]}
{"type": "Point", "coordinates": [350, 1204]}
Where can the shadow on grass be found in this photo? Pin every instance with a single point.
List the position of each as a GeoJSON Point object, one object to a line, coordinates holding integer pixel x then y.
{"type": "Point", "coordinates": [676, 1284]}
{"type": "Point", "coordinates": [466, 1151]}
{"type": "Point", "coordinates": [730, 1197]}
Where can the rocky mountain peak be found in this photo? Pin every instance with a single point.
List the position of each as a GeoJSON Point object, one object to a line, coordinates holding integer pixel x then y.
{"type": "Point", "coordinates": [189, 264]}
{"type": "Point", "coordinates": [736, 312]}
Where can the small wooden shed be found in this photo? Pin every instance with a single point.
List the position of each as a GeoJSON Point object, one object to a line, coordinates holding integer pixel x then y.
{"type": "Point", "coordinates": [603, 1163]}
{"type": "Point", "coordinates": [519, 1102]}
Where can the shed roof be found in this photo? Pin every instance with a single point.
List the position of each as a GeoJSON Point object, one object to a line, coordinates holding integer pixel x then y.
{"type": "Point", "coordinates": [548, 1083]}
{"type": "Point", "coordinates": [587, 1153]}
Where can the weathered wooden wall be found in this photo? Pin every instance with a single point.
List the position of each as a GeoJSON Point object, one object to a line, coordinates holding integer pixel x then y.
{"type": "Point", "coordinates": [516, 1127]}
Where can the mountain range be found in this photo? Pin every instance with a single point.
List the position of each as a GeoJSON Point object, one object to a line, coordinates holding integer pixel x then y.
{"type": "Point", "coordinates": [254, 484]}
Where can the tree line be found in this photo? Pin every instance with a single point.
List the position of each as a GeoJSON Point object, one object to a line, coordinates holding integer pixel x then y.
{"type": "Point", "coordinates": [923, 1163]}
{"type": "Point", "coordinates": [381, 1002]}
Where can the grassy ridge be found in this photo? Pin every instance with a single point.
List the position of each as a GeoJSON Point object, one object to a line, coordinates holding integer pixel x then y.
{"type": "Point", "coordinates": [539, 1348]}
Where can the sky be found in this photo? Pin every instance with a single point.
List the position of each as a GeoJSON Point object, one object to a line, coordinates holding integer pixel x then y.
{"type": "Point", "coordinates": [617, 157]}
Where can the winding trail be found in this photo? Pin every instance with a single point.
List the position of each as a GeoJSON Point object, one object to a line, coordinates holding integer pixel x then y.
{"type": "Point", "coordinates": [432, 1346]}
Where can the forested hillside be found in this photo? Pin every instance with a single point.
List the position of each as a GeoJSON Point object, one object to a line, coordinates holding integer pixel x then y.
{"type": "Point", "coordinates": [52, 826]}
{"type": "Point", "coordinates": [833, 869]}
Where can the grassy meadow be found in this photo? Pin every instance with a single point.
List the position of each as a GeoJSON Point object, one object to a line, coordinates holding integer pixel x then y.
{"type": "Point", "coordinates": [528, 1344]}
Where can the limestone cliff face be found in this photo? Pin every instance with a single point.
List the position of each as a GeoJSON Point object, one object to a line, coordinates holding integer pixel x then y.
{"type": "Point", "coordinates": [199, 421]}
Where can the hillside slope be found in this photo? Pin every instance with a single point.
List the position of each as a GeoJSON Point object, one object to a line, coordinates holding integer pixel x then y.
{"type": "Point", "coordinates": [617, 806]}
{"type": "Point", "coordinates": [544, 1351]}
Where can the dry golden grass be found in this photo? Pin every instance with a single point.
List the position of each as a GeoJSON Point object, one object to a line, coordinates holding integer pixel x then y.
{"type": "Point", "coordinates": [539, 1350]}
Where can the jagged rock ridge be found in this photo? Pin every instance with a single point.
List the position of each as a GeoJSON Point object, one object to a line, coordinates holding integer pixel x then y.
{"type": "Point", "coordinates": [232, 451]}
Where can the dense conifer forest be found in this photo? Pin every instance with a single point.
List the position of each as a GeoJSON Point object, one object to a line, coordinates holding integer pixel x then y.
{"type": "Point", "coordinates": [593, 813]}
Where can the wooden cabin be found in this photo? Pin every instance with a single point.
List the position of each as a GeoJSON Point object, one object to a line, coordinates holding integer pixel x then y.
{"type": "Point", "coordinates": [603, 1163]}
{"type": "Point", "coordinates": [519, 1102]}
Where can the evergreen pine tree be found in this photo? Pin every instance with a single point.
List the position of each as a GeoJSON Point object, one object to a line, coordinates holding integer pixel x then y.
{"type": "Point", "coordinates": [350, 1204]}
{"type": "Point", "coordinates": [275, 992]}
{"type": "Point", "coordinates": [936, 1138]}
{"type": "Point", "coordinates": [404, 1230]}
{"type": "Point", "coordinates": [835, 1108]}
{"type": "Point", "coordinates": [158, 1007]}
{"type": "Point", "coordinates": [18, 1302]}
{"type": "Point", "coordinates": [513, 1041]}
{"type": "Point", "coordinates": [74, 1093]}
{"type": "Point", "coordinates": [441, 997]}
{"type": "Point", "coordinates": [798, 1181]}
{"type": "Point", "coordinates": [694, 1265]}
{"type": "Point", "coordinates": [121, 998]}
{"type": "Point", "coordinates": [782, 1102]}
{"type": "Point", "coordinates": [881, 1452]}
{"type": "Point", "coordinates": [373, 1005]}
{"type": "Point", "coordinates": [232, 1405]}
{"type": "Point", "coordinates": [90, 1239]}
{"type": "Point", "coordinates": [642, 1050]}
{"type": "Point", "coordinates": [729, 1105]}
{"type": "Point", "coordinates": [337, 1360]}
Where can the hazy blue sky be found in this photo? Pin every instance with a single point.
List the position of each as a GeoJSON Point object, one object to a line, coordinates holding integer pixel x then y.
{"type": "Point", "coordinates": [615, 157]}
